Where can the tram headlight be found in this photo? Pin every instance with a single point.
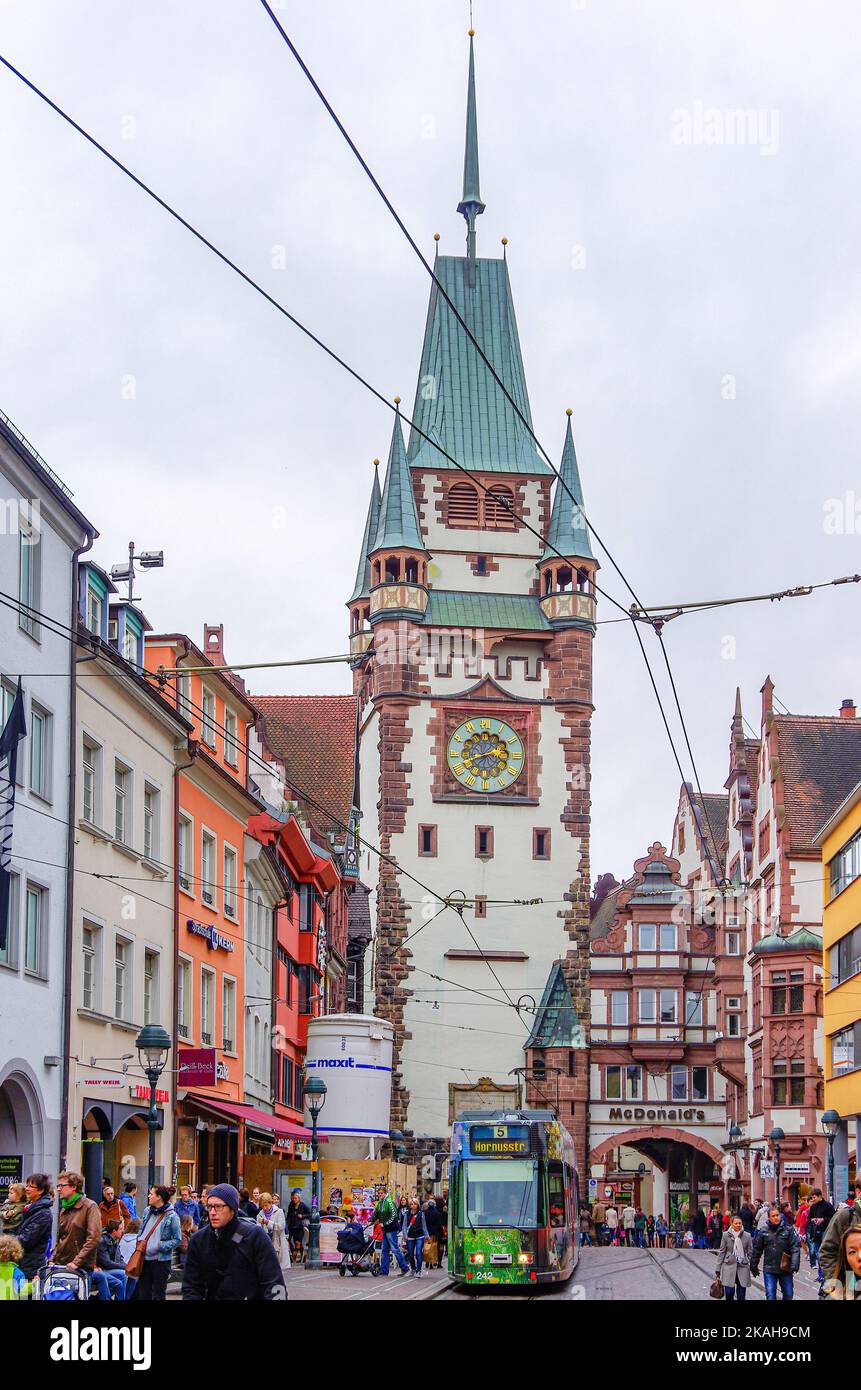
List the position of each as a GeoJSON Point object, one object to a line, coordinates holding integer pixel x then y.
{"type": "Point", "coordinates": [476, 1259]}
{"type": "Point", "coordinates": [524, 1259]}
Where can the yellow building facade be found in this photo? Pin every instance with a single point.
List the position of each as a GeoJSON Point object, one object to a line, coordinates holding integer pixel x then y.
{"type": "Point", "coordinates": [840, 841]}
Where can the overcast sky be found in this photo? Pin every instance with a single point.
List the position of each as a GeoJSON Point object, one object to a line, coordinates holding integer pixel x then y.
{"type": "Point", "coordinates": [695, 299]}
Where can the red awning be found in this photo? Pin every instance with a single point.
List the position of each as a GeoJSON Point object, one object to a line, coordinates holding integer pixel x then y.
{"type": "Point", "coordinates": [258, 1119]}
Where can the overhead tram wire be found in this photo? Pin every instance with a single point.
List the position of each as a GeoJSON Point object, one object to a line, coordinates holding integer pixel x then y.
{"type": "Point", "coordinates": [330, 353]}
{"type": "Point", "coordinates": [302, 796]}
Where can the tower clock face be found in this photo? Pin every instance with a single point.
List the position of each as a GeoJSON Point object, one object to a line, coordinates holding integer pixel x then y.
{"type": "Point", "coordinates": [485, 755]}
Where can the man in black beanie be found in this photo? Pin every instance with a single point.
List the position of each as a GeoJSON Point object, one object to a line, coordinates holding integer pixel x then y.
{"type": "Point", "coordinates": [231, 1259]}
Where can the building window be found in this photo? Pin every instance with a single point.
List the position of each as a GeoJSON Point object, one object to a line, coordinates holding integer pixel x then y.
{"type": "Point", "coordinates": [287, 1080]}
{"type": "Point", "coordinates": [681, 837]}
{"type": "Point", "coordinates": [184, 1001]}
{"type": "Point", "coordinates": [122, 803]}
{"type": "Point", "coordinates": [699, 1083]}
{"type": "Point", "coordinates": [94, 611]}
{"type": "Point", "coordinates": [480, 909]}
{"type": "Point", "coordinates": [34, 930]}
{"type": "Point", "coordinates": [151, 823]}
{"type": "Point", "coordinates": [669, 1005]}
{"type": "Point", "coordinates": [29, 565]}
{"type": "Point", "coordinates": [353, 981]}
{"type": "Point", "coordinates": [481, 564]}
{"type": "Point", "coordinates": [298, 1089]}
{"type": "Point", "coordinates": [733, 1025]}
{"type": "Point", "coordinates": [678, 1083]}
{"type": "Point", "coordinates": [91, 782]}
{"type": "Point", "coordinates": [733, 943]}
{"type": "Point", "coordinates": [844, 959]}
{"type": "Point", "coordinates": [229, 885]}
{"type": "Point", "coordinates": [231, 746]}
{"type": "Point", "coordinates": [648, 1006]}
{"type": "Point", "coordinates": [209, 847]}
{"type": "Point", "coordinates": [427, 841]}
{"type": "Point", "coordinates": [207, 731]}
{"type": "Point", "coordinates": [787, 1086]}
{"type": "Point", "coordinates": [648, 936]}
{"type": "Point", "coordinates": [9, 952]}
{"type": "Point", "coordinates": [484, 841]}
{"type": "Point", "coordinates": [778, 992]}
{"type": "Point", "coordinates": [305, 977]}
{"type": "Point", "coordinates": [613, 1083]}
{"type": "Point", "coordinates": [498, 509]}
{"type": "Point", "coordinates": [843, 1050]}
{"type": "Point", "coordinates": [541, 843]}
{"type": "Point", "coordinates": [764, 837]}
{"type": "Point", "coordinates": [207, 1011]}
{"type": "Point", "coordinates": [306, 907]}
{"type": "Point", "coordinates": [796, 992]}
{"type": "Point", "coordinates": [462, 505]}
{"type": "Point", "coordinates": [694, 1008]}
{"type": "Point", "coordinates": [151, 1008]}
{"type": "Point", "coordinates": [90, 941]}
{"type": "Point", "coordinates": [122, 977]}
{"type": "Point", "coordinates": [40, 752]}
{"type": "Point", "coordinates": [228, 1016]}
{"type": "Point", "coordinates": [634, 1083]}
{"type": "Point", "coordinates": [186, 863]}
{"type": "Point", "coordinates": [619, 1008]}
{"type": "Point", "coordinates": [845, 866]}
{"type": "Point", "coordinates": [669, 937]}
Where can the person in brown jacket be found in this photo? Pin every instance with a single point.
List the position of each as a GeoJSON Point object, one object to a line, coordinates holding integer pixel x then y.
{"type": "Point", "coordinates": [80, 1226]}
{"type": "Point", "coordinates": [112, 1209]}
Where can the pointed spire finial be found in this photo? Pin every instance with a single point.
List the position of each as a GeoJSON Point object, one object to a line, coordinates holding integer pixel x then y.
{"type": "Point", "coordinates": [569, 412]}
{"type": "Point", "coordinates": [470, 204]}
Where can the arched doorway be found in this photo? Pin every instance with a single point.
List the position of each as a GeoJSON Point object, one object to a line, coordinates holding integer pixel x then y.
{"type": "Point", "coordinates": [22, 1121]}
{"type": "Point", "coordinates": [683, 1171]}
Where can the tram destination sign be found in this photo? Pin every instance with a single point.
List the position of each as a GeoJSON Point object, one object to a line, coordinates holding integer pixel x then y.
{"type": "Point", "coordinates": [499, 1141]}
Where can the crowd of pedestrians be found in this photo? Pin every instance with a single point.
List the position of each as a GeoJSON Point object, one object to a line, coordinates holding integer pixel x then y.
{"type": "Point", "coordinates": [771, 1237]}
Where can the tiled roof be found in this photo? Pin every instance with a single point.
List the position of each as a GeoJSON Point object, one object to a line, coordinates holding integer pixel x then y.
{"type": "Point", "coordinates": [466, 413]}
{"type": "Point", "coordinates": [568, 533]}
{"type": "Point", "coordinates": [602, 923]}
{"type": "Point", "coordinates": [713, 808]}
{"type": "Point", "coordinates": [398, 524]}
{"type": "Point", "coordinates": [359, 914]}
{"type": "Point", "coordinates": [557, 1023]}
{"type": "Point", "coordinates": [314, 735]}
{"type": "Point", "coordinates": [820, 762]}
{"type": "Point", "coordinates": [448, 608]}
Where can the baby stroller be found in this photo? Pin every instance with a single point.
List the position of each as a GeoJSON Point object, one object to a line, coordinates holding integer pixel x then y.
{"type": "Point", "coordinates": [57, 1282]}
{"type": "Point", "coordinates": [356, 1248]}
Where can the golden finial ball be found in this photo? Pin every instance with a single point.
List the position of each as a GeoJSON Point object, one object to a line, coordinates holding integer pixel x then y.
{"type": "Point", "coordinates": [505, 241]}
{"type": "Point", "coordinates": [376, 463]}
{"type": "Point", "coordinates": [397, 400]}
{"type": "Point", "coordinates": [436, 236]}
{"type": "Point", "coordinates": [472, 33]}
{"type": "Point", "coordinates": [569, 411]}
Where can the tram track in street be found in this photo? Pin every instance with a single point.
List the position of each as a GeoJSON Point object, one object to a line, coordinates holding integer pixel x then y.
{"type": "Point", "coordinates": [680, 1293]}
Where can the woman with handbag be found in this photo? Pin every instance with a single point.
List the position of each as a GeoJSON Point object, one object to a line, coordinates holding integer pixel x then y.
{"type": "Point", "coordinates": [160, 1235]}
{"type": "Point", "coordinates": [733, 1271]}
{"type": "Point", "coordinates": [778, 1248]}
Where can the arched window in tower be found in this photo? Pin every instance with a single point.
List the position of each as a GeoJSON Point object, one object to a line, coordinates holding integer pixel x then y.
{"type": "Point", "coordinates": [411, 570]}
{"type": "Point", "coordinates": [376, 571]}
{"type": "Point", "coordinates": [462, 505]}
{"type": "Point", "coordinates": [564, 579]}
{"type": "Point", "coordinates": [393, 569]}
{"type": "Point", "coordinates": [548, 581]}
{"type": "Point", "coordinates": [583, 581]}
{"type": "Point", "coordinates": [498, 508]}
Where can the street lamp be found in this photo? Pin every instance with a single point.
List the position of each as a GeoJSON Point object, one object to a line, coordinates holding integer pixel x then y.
{"type": "Point", "coordinates": [734, 1134]}
{"type": "Point", "coordinates": [776, 1138]}
{"type": "Point", "coordinates": [315, 1099]}
{"type": "Point", "coordinates": [830, 1125]}
{"type": "Point", "coordinates": [153, 1045]}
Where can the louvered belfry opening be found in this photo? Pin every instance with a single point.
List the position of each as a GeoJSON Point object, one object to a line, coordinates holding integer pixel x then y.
{"type": "Point", "coordinates": [463, 506]}
{"type": "Point", "coordinates": [498, 508]}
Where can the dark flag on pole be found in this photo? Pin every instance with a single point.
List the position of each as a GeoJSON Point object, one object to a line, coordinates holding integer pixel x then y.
{"type": "Point", "coordinates": [14, 730]}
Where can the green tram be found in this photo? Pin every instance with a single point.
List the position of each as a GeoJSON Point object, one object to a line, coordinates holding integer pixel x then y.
{"type": "Point", "coordinates": [514, 1199]}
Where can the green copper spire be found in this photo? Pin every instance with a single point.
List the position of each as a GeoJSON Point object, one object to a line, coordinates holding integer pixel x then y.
{"type": "Point", "coordinates": [363, 574]}
{"type": "Point", "coordinates": [568, 533]}
{"type": "Point", "coordinates": [471, 205]}
{"type": "Point", "coordinates": [398, 527]}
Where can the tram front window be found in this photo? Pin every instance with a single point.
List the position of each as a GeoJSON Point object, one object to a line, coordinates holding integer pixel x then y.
{"type": "Point", "coordinates": [500, 1192]}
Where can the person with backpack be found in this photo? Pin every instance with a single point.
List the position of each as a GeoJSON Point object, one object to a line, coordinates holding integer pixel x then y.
{"type": "Point", "coordinates": [779, 1250]}
{"type": "Point", "coordinates": [387, 1213]}
{"type": "Point", "coordinates": [232, 1259]}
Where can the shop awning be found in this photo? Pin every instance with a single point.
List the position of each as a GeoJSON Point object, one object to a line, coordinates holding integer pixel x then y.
{"type": "Point", "coordinates": [257, 1119]}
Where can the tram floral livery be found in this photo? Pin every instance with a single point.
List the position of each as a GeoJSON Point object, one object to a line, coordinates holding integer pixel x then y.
{"type": "Point", "coordinates": [514, 1199]}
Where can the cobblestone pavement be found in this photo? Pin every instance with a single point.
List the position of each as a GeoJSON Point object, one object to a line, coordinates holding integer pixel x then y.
{"type": "Point", "coordinates": [326, 1285]}
{"type": "Point", "coordinates": [624, 1275]}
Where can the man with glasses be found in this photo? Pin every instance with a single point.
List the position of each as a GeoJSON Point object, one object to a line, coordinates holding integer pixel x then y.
{"type": "Point", "coordinates": [232, 1258]}
{"type": "Point", "coordinates": [80, 1226]}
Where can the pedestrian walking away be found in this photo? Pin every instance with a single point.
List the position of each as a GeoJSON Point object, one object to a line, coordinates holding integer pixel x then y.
{"type": "Point", "coordinates": [160, 1235]}
{"type": "Point", "coordinates": [231, 1259]}
{"type": "Point", "coordinates": [388, 1214]}
{"type": "Point", "coordinates": [433, 1219]}
{"type": "Point", "coordinates": [417, 1234]}
{"type": "Point", "coordinates": [734, 1258]}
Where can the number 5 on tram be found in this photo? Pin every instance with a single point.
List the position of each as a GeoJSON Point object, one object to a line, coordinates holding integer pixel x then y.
{"type": "Point", "coordinates": [514, 1199]}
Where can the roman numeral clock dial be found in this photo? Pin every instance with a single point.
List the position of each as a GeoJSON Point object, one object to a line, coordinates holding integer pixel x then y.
{"type": "Point", "coordinates": [485, 755]}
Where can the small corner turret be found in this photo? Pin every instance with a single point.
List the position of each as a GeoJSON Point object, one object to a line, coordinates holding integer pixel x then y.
{"type": "Point", "coordinates": [567, 567]}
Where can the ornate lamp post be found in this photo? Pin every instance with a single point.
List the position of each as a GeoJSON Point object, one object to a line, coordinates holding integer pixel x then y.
{"type": "Point", "coordinates": [830, 1125]}
{"type": "Point", "coordinates": [776, 1138]}
{"type": "Point", "coordinates": [315, 1099]}
{"type": "Point", "coordinates": [153, 1045]}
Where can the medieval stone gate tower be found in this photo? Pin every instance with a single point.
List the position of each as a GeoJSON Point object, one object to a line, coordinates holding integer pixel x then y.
{"type": "Point", "coordinates": [473, 644]}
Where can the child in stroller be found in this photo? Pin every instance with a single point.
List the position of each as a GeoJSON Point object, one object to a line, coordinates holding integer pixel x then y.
{"type": "Point", "coordinates": [61, 1282]}
{"type": "Point", "coordinates": [356, 1247]}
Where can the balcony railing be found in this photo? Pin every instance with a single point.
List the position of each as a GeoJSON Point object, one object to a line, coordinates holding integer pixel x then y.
{"type": "Point", "coordinates": [206, 1039]}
